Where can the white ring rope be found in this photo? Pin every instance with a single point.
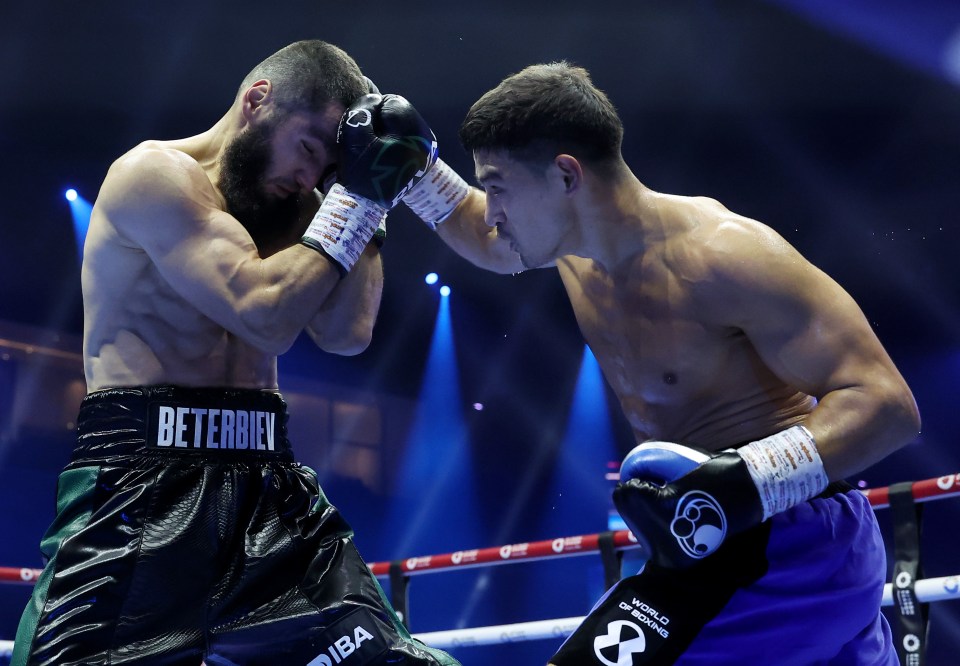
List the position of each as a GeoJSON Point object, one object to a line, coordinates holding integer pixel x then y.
{"type": "Point", "coordinates": [928, 590]}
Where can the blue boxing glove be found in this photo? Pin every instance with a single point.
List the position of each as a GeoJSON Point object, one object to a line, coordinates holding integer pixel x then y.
{"type": "Point", "coordinates": [682, 502]}
{"type": "Point", "coordinates": [384, 148]}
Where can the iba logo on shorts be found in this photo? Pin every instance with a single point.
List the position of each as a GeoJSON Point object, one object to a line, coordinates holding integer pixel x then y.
{"type": "Point", "coordinates": [354, 639]}
{"type": "Point", "coordinates": [618, 645]}
{"type": "Point", "coordinates": [343, 647]}
{"type": "Point", "coordinates": [699, 524]}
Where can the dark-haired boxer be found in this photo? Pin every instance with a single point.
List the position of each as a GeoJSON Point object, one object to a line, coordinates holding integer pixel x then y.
{"type": "Point", "coordinates": [757, 373]}
{"type": "Point", "coordinates": [185, 529]}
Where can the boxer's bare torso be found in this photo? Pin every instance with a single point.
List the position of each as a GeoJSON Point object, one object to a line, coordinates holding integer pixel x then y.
{"type": "Point", "coordinates": [175, 289]}
{"type": "Point", "coordinates": [138, 329]}
{"type": "Point", "coordinates": [682, 372]}
{"type": "Point", "coordinates": [711, 328]}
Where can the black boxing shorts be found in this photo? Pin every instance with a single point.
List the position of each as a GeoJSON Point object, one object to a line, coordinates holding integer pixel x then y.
{"type": "Point", "coordinates": [186, 532]}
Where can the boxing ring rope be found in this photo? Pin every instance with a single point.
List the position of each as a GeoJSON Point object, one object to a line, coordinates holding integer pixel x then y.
{"type": "Point", "coordinates": [922, 491]}
{"type": "Point", "coordinates": [928, 590]}
{"type": "Point", "coordinates": [399, 572]}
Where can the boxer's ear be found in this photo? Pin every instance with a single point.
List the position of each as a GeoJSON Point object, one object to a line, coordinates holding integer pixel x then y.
{"type": "Point", "coordinates": [254, 100]}
{"type": "Point", "coordinates": [569, 171]}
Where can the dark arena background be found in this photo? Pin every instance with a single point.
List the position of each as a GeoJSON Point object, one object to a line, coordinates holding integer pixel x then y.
{"type": "Point", "coordinates": [478, 419]}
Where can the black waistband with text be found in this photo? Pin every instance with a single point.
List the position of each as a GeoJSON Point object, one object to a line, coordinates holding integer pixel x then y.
{"type": "Point", "coordinates": [182, 420]}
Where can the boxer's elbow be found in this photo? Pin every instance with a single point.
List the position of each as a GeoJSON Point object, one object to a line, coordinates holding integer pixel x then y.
{"type": "Point", "coordinates": [343, 341]}
{"type": "Point", "coordinates": [272, 342]}
{"type": "Point", "coordinates": [267, 327]}
{"type": "Point", "coordinates": [347, 347]}
{"type": "Point", "coordinates": [910, 417]}
{"type": "Point", "coordinates": [901, 411]}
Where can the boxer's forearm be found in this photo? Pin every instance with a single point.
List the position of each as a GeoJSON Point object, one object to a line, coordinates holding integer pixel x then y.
{"type": "Point", "coordinates": [344, 323]}
{"type": "Point", "coordinates": [857, 426]}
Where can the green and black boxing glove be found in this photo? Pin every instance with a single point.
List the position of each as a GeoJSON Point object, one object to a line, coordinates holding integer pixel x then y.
{"type": "Point", "coordinates": [384, 148]}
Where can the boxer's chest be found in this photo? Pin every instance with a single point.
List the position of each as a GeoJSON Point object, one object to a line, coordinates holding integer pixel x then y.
{"type": "Point", "coordinates": [647, 336]}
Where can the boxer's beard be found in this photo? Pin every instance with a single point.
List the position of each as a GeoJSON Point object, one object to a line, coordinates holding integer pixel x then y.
{"type": "Point", "coordinates": [243, 168]}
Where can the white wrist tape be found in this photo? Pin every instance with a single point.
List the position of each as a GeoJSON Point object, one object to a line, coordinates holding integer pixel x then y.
{"type": "Point", "coordinates": [344, 225]}
{"type": "Point", "coordinates": [786, 468]}
{"type": "Point", "coordinates": [437, 194]}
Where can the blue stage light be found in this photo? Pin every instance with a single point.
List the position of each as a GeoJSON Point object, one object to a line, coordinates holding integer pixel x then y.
{"type": "Point", "coordinates": [436, 464]}
{"type": "Point", "coordinates": [80, 210]}
{"type": "Point", "coordinates": [431, 278]}
{"type": "Point", "coordinates": [580, 484]}
{"type": "Point", "coordinates": [444, 290]}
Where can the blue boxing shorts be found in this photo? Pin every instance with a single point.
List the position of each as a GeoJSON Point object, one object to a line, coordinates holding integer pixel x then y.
{"type": "Point", "coordinates": [186, 532]}
{"type": "Point", "coordinates": [802, 589]}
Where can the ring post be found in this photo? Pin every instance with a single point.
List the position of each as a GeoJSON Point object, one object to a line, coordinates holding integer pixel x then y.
{"type": "Point", "coordinates": [911, 627]}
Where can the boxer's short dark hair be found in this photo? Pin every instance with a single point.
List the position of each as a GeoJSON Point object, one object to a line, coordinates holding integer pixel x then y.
{"type": "Point", "coordinates": [308, 75]}
{"type": "Point", "coordinates": [545, 110]}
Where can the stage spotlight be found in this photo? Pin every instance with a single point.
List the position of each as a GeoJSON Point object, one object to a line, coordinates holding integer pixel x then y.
{"type": "Point", "coordinates": [436, 463]}
{"type": "Point", "coordinates": [444, 290]}
{"type": "Point", "coordinates": [431, 278]}
{"type": "Point", "coordinates": [580, 484]}
{"type": "Point", "coordinates": [80, 210]}
{"type": "Point", "coordinates": [478, 406]}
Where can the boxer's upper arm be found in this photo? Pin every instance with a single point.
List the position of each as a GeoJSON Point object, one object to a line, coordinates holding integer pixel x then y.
{"type": "Point", "coordinates": [162, 202]}
{"type": "Point", "coordinates": [802, 323]}
{"type": "Point", "coordinates": [811, 333]}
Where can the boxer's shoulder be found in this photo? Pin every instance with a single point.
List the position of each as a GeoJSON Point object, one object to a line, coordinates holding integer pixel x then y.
{"type": "Point", "coordinates": [156, 186]}
{"type": "Point", "coordinates": [156, 172]}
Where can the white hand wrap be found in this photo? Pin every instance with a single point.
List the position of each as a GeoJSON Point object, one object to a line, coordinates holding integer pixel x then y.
{"type": "Point", "coordinates": [437, 194]}
{"type": "Point", "coordinates": [786, 469]}
{"type": "Point", "coordinates": [343, 226]}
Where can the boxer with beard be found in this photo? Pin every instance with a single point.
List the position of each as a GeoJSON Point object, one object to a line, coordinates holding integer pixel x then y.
{"type": "Point", "coordinates": [186, 531]}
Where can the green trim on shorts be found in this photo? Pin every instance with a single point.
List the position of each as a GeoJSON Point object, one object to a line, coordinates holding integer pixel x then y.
{"type": "Point", "coordinates": [442, 657]}
{"type": "Point", "coordinates": [75, 492]}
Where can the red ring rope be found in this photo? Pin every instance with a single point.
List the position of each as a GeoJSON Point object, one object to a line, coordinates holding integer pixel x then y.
{"type": "Point", "coordinates": [923, 491]}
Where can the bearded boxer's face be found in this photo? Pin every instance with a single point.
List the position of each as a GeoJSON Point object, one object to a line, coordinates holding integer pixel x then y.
{"type": "Point", "coordinates": [273, 164]}
{"type": "Point", "coordinates": [243, 183]}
